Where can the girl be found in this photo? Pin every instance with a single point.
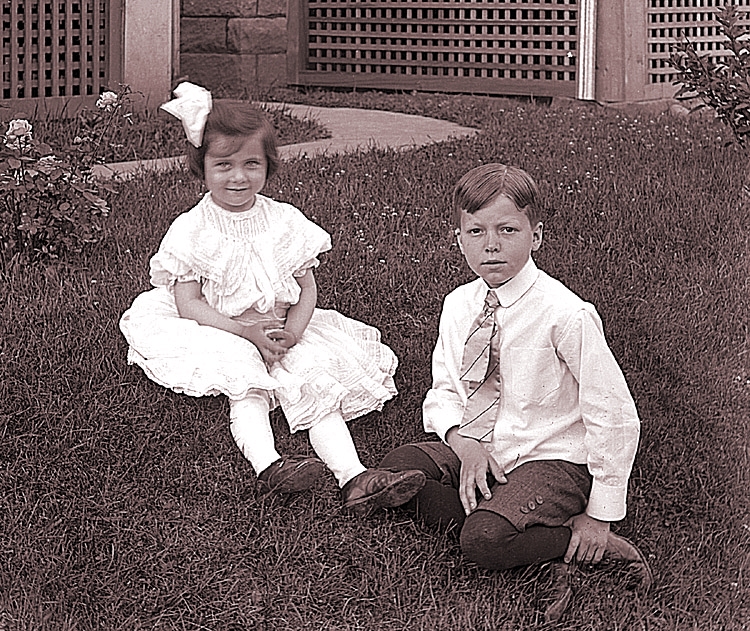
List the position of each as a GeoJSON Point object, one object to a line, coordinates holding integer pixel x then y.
{"type": "Point", "coordinates": [233, 312]}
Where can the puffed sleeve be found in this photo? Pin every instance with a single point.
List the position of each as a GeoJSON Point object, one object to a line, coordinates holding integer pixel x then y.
{"type": "Point", "coordinates": [172, 262]}
{"type": "Point", "coordinates": [299, 244]}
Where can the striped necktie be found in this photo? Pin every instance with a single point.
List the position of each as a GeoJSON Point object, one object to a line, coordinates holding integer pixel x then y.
{"type": "Point", "coordinates": [479, 374]}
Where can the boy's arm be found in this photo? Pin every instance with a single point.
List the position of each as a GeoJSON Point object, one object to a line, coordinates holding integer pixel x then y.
{"type": "Point", "coordinates": [612, 429]}
{"type": "Point", "coordinates": [443, 405]}
{"type": "Point", "coordinates": [443, 409]}
{"type": "Point", "coordinates": [608, 412]}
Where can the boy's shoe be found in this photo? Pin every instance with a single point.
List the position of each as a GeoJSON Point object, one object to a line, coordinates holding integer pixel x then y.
{"type": "Point", "coordinates": [377, 488]}
{"type": "Point", "coordinates": [560, 594]}
{"type": "Point", "coordinates": [290, 475]}
{"type": "Point", "coordinates": [619, 549]}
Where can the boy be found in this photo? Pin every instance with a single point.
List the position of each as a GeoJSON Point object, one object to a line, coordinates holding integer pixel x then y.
{"type": "Point", "coordinates": [532, 408]}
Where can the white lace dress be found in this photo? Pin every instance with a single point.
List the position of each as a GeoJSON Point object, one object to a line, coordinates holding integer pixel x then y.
{"type": "Point", "coordinates": [246, 263]}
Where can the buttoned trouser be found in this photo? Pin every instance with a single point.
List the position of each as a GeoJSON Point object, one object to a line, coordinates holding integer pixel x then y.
{"type": "Point", "coordinates": [523, 521]}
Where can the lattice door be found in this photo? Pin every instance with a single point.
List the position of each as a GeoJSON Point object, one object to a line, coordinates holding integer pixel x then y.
{"type": "Point", "coordinates": [485, 46]}
{"type": "Point", "coordinates": [59, 49]}
{"type": "Point", "coordinates": [670, 21]}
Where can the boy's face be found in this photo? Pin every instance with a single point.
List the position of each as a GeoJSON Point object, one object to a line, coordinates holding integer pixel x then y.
{"type": "Point", "coordinates": [498, 240]}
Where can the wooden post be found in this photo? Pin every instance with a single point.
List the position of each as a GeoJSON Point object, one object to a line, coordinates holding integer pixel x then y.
{"type": "Point", "coordinates": [621, 51]}
{"type": "Point", "coordinates": [296, 47]}
{"type": "Point", "coordinates": [176, 12]}
{"type": "Point", "coordinates": [148, 48]}
{"type": "Point", "coordinates": [587, 50]}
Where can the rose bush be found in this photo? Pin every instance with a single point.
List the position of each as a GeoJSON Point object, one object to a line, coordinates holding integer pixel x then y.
{"type": "Point", "coordinates": [50, 201]}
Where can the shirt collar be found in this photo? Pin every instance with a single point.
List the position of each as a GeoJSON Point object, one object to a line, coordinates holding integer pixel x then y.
{"type": "Point", "coordinates": [510, 292]}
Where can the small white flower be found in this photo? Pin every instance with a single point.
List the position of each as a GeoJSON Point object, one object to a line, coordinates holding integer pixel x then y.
{"type": "Point", "coordinates": [18, 134]}
{"type": "Point", "coordinates": [107, 101]}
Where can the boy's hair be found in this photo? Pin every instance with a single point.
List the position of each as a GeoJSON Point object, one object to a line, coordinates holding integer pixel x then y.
{"type": "Point", "coordinates": [480, 186]}
{"type": "Point", "coordinates": [239, 120]}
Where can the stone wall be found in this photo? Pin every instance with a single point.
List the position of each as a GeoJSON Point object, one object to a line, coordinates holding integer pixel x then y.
{"type": "Point", "coordinates": [233, 45]}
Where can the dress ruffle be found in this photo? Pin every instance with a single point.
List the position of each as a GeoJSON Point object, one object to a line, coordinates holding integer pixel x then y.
{"type": "Point", "coordinates": [339, 364]}
{"type": "Point", "coordinates": [187, 357]}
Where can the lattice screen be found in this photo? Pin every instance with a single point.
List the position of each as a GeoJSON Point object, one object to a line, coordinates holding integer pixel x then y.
{"type": "Point", "coordinates": [670, 21]}
{"type": "Point", "coordinates": [54, 48]}
{"type": "Point", "coordinates": [497, 41]}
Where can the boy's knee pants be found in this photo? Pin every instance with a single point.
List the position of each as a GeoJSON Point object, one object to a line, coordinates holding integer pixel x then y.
{"type": "Point", "coordinates": [523, 521]}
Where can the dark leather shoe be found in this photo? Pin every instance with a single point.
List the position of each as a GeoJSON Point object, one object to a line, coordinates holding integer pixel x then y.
{"type": "Point", "coordinates": [377, 488]}
{"type": "Point", "coordinates": [291, 475]}
{"type": "Point", "coordinates": [619, 549]}
{"type": "Point", "coordinates": [560, 593]}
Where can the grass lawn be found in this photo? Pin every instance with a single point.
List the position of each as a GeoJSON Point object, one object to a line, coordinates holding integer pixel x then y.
{"type": "Point", "coordinates": [145, 135]}
{"type": "Point", "coordinates": [126, 506]}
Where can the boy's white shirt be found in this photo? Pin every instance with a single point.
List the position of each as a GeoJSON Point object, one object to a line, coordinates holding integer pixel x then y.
{"type": "Point", "coordinates": [564, 396]}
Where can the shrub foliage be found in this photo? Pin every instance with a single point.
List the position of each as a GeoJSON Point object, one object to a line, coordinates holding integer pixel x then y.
{"type": "Point", "coordinates": [723, 85]}
{"type": "Point", "coordinates": [50, 201]}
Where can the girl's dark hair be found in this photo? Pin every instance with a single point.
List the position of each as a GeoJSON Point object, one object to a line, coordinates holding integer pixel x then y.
{"type": "Point", "coordinates": [235, 119]}
{"type": "Point", "coordinates": [483, 184]}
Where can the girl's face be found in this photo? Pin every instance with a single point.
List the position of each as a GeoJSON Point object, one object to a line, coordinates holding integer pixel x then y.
{"type": "Point", "coordinates": [235, 170]}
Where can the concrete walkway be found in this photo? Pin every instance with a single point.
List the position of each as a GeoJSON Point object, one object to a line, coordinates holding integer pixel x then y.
{"type": "Point", "coordinates": [353, 129]}
{"type": "Point", "coordinates": [350, 129]}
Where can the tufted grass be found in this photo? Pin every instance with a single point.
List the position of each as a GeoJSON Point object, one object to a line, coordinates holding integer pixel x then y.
{"type": "Point", "coordinates": [126, 506]}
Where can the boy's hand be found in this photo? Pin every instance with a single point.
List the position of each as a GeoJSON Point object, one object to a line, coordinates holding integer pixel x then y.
{"type": "Point", "coordinates": [589, 539]}
{"type": "Point", "coordinates": [476, 464]}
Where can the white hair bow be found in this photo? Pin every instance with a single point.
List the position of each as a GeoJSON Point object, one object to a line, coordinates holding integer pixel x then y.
{"type": "Point", "coordinates": [192, 106]}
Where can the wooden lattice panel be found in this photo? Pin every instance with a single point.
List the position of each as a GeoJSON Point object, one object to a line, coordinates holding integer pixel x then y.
{"type": "Point", "coordinates": [54, 48]}
{"type": "Point", "coordinates": [671, 21]}
{"type": "Point", "coordinates": [493, 45]}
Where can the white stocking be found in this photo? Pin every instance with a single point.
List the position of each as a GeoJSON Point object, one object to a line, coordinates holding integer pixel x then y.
{"type": "Point", "coordinates": [251, 429]}
{"type": "Point", "coordinates": [331, 440]}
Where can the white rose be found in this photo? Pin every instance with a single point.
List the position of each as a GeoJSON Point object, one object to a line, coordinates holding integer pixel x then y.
{"type": "Point", "coordinates": [107, 101]}
{"type": "Point", "coordinates": [18, 134]}
{"type": "Point", "coordinates": [19, 127]}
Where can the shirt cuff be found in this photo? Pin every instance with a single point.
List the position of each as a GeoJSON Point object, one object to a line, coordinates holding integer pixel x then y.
{"type": "Point", "coordinates": [440, 415]}
{"type": "Point", "coordinates": [607, 503]}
